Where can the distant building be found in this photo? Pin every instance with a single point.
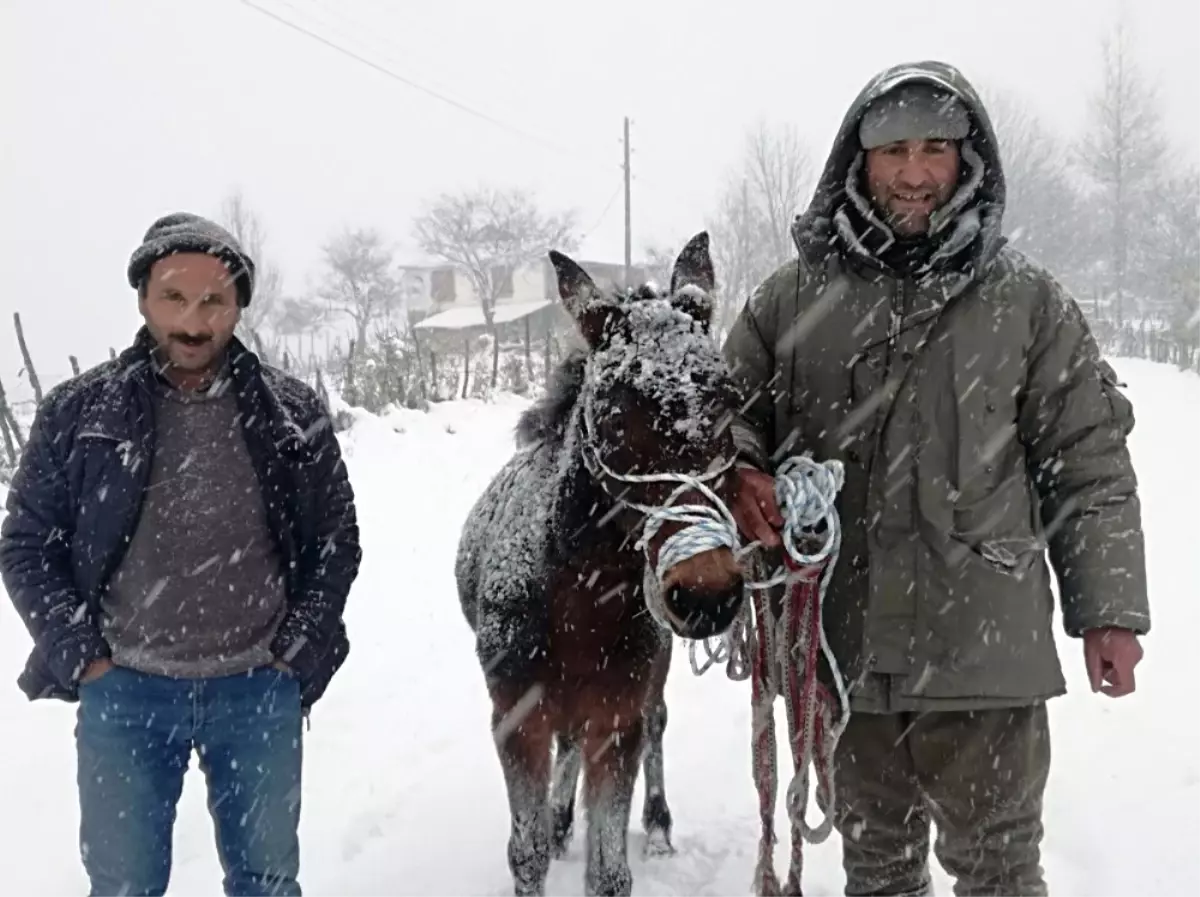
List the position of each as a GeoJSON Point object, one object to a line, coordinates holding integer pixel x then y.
{"type": "Point", "coordinates": [442, 298]}
{"type": "Point", "coordinates": [448, 317]}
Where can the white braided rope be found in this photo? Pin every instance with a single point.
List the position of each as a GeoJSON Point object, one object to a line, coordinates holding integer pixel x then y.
{"type": "Point", "coordinates": [708, 527]}
{"type": "Point", "coordinates": [805, 491]}
{"type": "Point", "coordinates": [806, 494]}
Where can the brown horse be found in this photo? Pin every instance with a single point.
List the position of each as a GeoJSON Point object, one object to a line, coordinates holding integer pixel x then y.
{"type": "Point", "coordinates": [559, 575]}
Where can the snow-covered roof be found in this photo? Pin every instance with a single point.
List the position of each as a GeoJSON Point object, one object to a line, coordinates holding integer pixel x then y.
{"type": "Point", "coordinates": [462, 317]}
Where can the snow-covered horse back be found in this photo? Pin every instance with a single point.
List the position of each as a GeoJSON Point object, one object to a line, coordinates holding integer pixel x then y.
{"type": "Point", "coordinates": [572, 633]}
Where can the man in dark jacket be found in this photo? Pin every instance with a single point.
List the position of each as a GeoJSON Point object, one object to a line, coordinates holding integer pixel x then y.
{"type": "Point", "coordinates": [980, 430]}
{"type": "Point", "coordinates": [180, 541]}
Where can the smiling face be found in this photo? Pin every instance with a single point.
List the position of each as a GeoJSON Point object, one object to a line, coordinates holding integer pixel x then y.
{"type": "Point", "coordinates": [189, 303]}
{"type": "Point", "coordinates": [910, 179]}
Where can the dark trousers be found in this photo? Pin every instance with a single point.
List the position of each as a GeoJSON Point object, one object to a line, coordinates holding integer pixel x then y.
{"type": "Point", "coordinates": [978, 775]}
{"type": "Point", "coordinates": [135, 736]}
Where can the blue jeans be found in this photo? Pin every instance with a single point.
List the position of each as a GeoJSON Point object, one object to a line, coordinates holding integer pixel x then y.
{"type": "Point", "coordinates": [135, 735]}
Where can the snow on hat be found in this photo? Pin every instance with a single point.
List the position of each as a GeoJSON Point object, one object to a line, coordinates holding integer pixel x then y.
{"type": "Point", "coordinates": [914, 111]}
{"type": "Point", "coordinates": [185, 232]}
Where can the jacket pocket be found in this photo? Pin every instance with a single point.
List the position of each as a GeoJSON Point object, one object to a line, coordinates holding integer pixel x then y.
{"type": "Point", "coordinates": [1000, 528]}
{"type": "Point", "coordinates": [96, 444]}
{"type": "Point", "coordinates": [97, 456]}
{"type": "Point", "coordinates": [989, 620]}
{"type": "Point", "coordinates": [1013, 556]}
{"type": "Point", "coordinates": [330, 662]}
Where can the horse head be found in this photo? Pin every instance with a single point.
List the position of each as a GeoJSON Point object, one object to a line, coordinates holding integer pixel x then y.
{"type": "Point", "coordinates": [656, 405]}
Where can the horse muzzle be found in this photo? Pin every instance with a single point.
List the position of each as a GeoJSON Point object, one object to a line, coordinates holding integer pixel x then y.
{"type": "Point", "coordinates": [700, 612]}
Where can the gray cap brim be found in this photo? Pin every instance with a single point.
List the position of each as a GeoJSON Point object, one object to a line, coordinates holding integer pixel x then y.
{"type": "Point", "coordinates": [914, 111]}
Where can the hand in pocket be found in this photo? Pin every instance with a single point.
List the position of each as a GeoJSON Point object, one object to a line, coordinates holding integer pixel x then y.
{"type": "Point", "coordinates": [95, 670]}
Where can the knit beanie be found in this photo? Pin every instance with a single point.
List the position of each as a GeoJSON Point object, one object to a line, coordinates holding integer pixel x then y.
{"type": "Point", "coordinates": [913, 111]}
{"type": "Point", "coordinates": [185, 232]}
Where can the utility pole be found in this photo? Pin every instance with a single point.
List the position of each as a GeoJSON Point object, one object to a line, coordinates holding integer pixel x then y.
{"type": "Point", "coordinates": [628, 219]}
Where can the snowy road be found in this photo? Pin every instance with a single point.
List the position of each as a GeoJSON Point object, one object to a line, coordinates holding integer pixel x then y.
{"type": "Point", "coordinates": [403, 791]}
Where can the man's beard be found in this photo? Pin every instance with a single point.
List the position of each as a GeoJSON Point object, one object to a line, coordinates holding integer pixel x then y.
{"type": "Point", "coordinates": [177, 352]}
{"type": "Point", "coordinates": [188, 339]}
{"type": "Point", "coordinates": [914, 223]}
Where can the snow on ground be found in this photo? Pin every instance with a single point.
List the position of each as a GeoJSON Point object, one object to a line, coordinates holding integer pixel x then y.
{"type": "Point", "coordinates": [403, 791]}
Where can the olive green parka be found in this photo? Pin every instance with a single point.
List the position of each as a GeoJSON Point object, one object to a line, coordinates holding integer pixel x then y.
{"type": "Point", "coordinates": [983, 435]}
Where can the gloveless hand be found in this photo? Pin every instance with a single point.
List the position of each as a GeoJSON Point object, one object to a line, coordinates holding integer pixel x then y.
{"type": "Point", "coordinates": [754, 508]}
{"type": "Point", "coordinates": [95, 670]}
{"type": "Point", "coordinates": [1110, 654]}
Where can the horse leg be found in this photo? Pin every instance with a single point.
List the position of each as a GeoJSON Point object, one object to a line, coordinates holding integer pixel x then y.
{"type": "Point", "coordinates": [522, 733]}
{"type": "Point", "coordinates": [656, 815]}
{"type": "Point", "coordinates": [563, 784]}
{"type": "Point", "coordinates": [612, 753]}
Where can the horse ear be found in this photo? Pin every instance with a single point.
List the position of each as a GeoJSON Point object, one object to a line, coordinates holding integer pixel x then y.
{"type": "Point", "coordinates": [581, 297]}
{"type": "Point", "coordinates": [693, 280]}
{"type": "Point", "coordinates": [575, 286]}
{"type": "Point", "coordinates": [694, 266]}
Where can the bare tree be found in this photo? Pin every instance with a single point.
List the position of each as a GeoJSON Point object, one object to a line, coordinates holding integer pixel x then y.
{"type": "Point", "coordinates": [743, 251]}
{"type": "Point", "coordinates": [245, 225]}
{"type": "Point", "coordinates": [359, 281]}
{"type": "Point", "coordinates": [298, 315]}
{"type": "Point", "coordinates": [1174, 277]}
{"type": "Point", "coordinates": [489, 233]}
{"type": "Point", "coordinates": [1123, 153]}
{"type": "Point", "coordinates": [1045, 214]}
{"type": "Point", "coordinates": [779, 172]}
{"type": "Point", "coordinates": [658, 261]}
{"type": "Point", "coordinates": [751, 225]}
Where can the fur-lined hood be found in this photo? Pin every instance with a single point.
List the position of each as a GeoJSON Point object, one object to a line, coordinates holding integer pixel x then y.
{"type": "Point", "coordinates": [972, 218]}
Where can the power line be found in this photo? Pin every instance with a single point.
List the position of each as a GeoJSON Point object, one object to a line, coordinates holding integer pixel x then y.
{"type": "Point", "coordinates": [437, 95]}
{"type": "Point", "coordinates": [408, 82]}
{"type": "Point", "coordinates": [367, 35]}
{"type": "Point", "coordinates": [607, 207]}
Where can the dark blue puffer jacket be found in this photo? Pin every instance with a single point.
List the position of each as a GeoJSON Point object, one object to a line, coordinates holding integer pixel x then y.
{"type": "Point", "coordinates": [75, 499]}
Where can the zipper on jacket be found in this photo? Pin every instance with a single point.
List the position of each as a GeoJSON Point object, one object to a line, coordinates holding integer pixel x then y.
{"type": "Point", "coordinates": [897, 309]}
{"type": "Point", "coordinates": [900, 306]}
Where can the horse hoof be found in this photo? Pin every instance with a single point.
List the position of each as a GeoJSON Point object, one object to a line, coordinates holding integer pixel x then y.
{"type": "Point", "coordinates": [792, 887]}
{"type": "Point", "coordinates": [658, 844]}
{"type": "Point", "coordinates": [562, 829]}
{"type": "Point", "coordinates": [558, 849]}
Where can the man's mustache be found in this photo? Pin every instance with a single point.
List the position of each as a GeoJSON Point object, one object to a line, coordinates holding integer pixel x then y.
{"type": "Point", "coordinates": [189, 339]}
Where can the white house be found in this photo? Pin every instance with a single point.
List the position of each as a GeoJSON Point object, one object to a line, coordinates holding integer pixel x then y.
{"type": "Point", "coordinates": [445, 300]}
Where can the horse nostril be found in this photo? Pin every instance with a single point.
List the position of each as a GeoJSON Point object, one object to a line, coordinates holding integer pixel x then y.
{"type": "Point", "coordinates": [697, 612]}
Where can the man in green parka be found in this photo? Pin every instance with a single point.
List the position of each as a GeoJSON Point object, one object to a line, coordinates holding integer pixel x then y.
{"type": "Point", "coordinates": [981, 433]}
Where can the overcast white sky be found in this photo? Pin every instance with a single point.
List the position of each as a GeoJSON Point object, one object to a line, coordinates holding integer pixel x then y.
{"type": "Point", "coordinates": [117, 111]}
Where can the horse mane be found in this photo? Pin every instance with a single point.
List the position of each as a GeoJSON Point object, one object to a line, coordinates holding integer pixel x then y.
{"type": "Point", "coordinates": [547, 418]}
